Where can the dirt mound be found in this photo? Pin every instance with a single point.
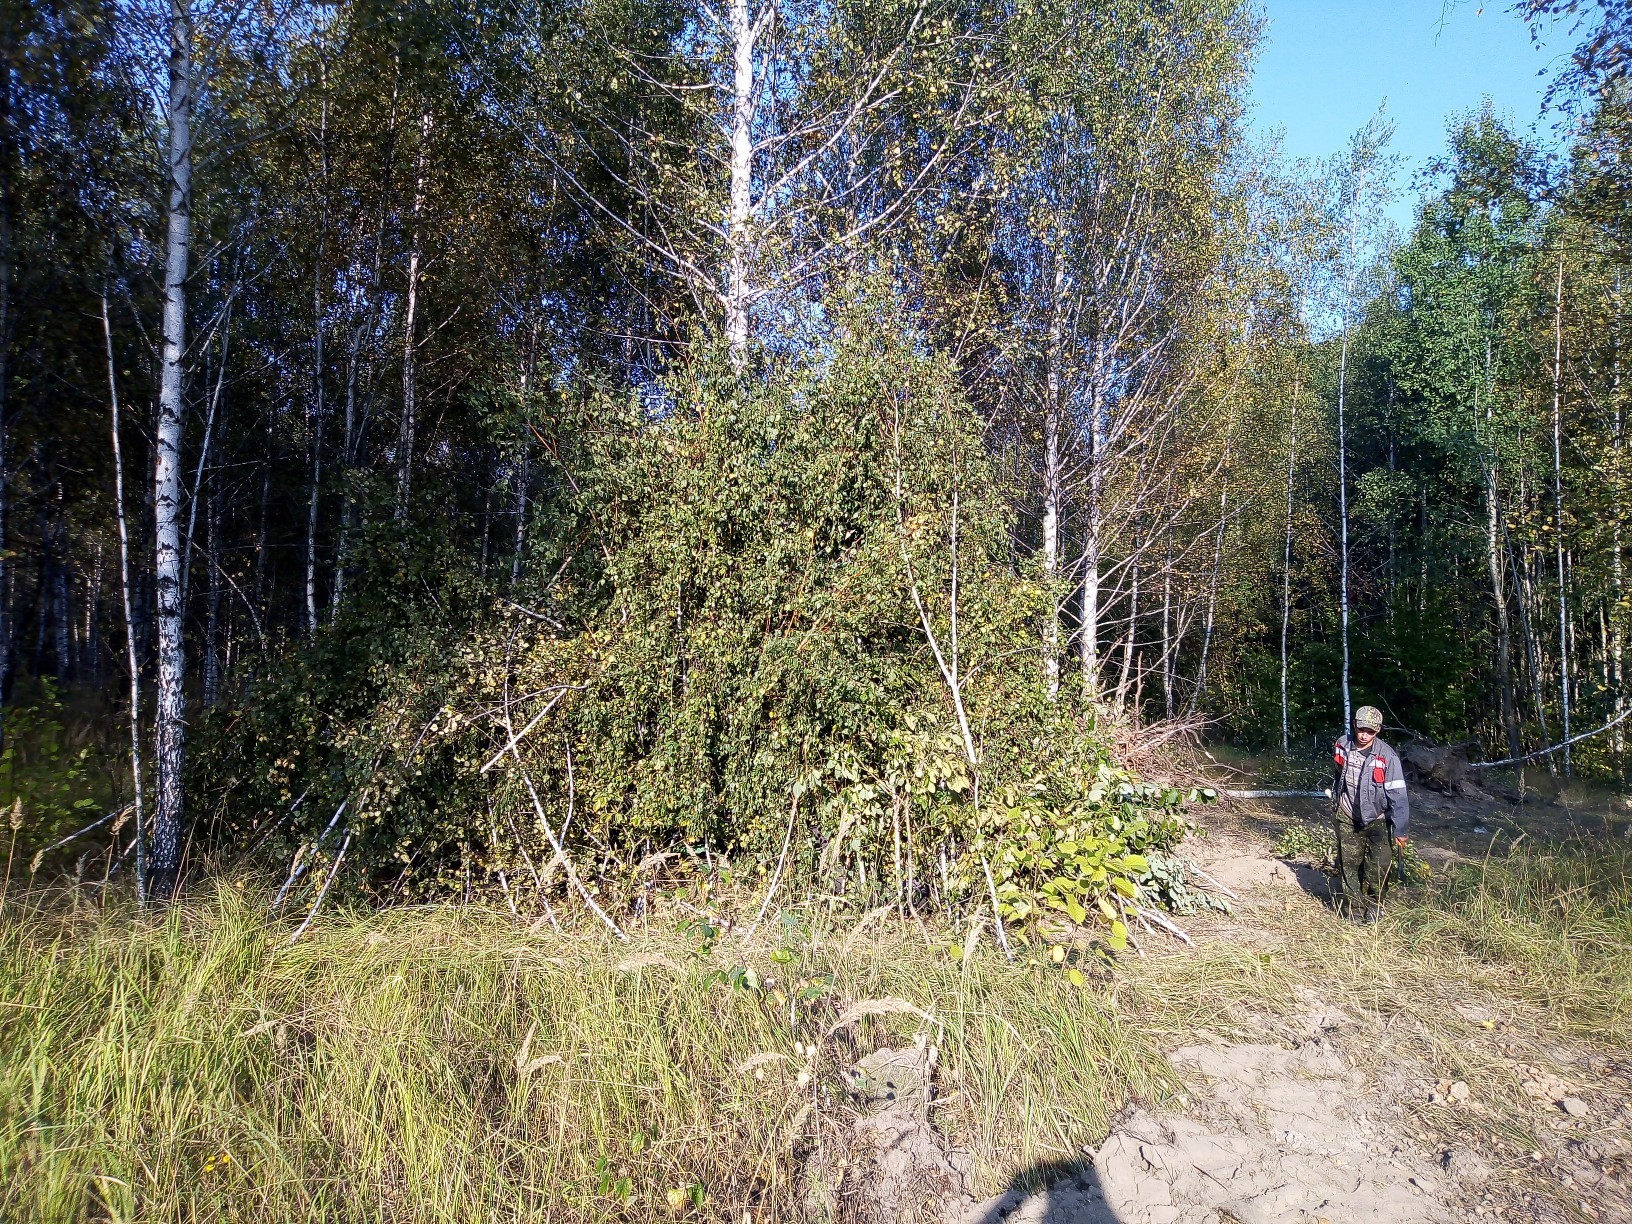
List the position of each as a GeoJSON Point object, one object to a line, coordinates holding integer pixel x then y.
{"type": "Point", "coordinates": [1439, 767]}
{"type": "Point", "coordinates": [890, 1165]}
{"type": "Point", "coordinates": [1244, 873]}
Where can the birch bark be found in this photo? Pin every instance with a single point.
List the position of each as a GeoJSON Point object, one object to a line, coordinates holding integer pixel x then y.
{"type": "Point", "coordinates": [1052, 492]}
{"type": "Point", "coordinates": [1167, 629]}
{"type": "Point", "coordinates": [1092, 540]}
{"type": "Point", "coordinates": [130, 621]}
{"type": "Point", "coordinates": [1343, 500]}
{"type": "Point", "coordinates": [1494, 557]}
{"type": "Point", "coordinates": [410, 371]}
{"type": "Point", "coordinates": [1504, 629]}
{"type": "Point", "coordinates": [169, 730]}
{"type": "Point", "coordinates": [744, 30]}
{"type": "Point", "coordinates": [1212, 591]}
{"type": "Point", "coordinates": [1617, 559]}
{"type": "Point", "coordinates": [1558, 512]}
{"type": "Point", "coordinates": [1286, 572]}
{"type": "Point", "coordinates": [1133, 628]}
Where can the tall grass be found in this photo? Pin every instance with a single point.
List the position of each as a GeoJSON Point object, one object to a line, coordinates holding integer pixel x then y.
{"type": "Point", "coordinates": [448, 1065]}
{"type": "Point", "coordinates": [1557, 921]}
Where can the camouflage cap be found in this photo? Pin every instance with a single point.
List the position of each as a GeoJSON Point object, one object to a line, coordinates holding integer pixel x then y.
{"type": "Point", "coordinates": [1368, 718]}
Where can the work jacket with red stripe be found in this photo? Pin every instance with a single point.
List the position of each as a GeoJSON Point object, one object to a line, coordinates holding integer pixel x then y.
{"type": "Point", "coordinates": [1381, 785]}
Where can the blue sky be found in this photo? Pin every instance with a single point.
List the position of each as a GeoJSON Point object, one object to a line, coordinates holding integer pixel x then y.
{"type": "Point", "coordinates": [1326, 64]}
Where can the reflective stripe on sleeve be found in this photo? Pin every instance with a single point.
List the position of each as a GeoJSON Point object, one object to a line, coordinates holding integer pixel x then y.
{"type": "Point", "coordinates": [1397, 784]}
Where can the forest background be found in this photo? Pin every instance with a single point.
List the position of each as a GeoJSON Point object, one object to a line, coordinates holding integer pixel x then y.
{"type": "Point", "coordinates": [494, 448]}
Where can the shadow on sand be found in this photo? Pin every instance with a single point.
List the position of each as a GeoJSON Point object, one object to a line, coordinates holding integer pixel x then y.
{"type": "Point", "coordinates": [1313, 881]}
{"type": "Point", "coordinates": [1054, 1192]}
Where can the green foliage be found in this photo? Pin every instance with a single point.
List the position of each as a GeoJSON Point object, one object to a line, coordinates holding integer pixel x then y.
{"type": "Point", "coordinates": [1307, 842]}
{"type": "Point", "coordinates": [1072, 840]}
{"type": "Point", "coordinates": [1169, 881]}
{"type": "Point", "coordinates": [1413, 869]}
{"type": "Point", "coordinates": [744, 664]}
{"type": "Point", "coordinates": [54, 776]}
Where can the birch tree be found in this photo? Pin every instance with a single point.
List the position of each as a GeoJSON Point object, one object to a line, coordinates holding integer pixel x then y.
{"type": "Point", "coordinates": [170, 709]}
{"type": "Point", "coordinates": [1108, 235]}
{"type": "Point", "coordinates": [1460, 354]}
{"type": "Point", "coordinates": [816, 130]}
{"type": "Point", "coordinates": [1362, 186]}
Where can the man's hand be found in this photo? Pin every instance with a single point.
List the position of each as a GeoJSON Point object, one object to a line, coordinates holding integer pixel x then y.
{"type": "Point", "coordinates": [1400, 842]}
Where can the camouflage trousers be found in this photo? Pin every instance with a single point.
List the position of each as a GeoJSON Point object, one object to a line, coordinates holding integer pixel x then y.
{"type": "Point", "coordinates": [1365, 860]}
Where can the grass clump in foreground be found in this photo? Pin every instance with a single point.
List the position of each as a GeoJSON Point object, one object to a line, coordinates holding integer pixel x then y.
{"type": "Point", "coordinates": [445, 1064]}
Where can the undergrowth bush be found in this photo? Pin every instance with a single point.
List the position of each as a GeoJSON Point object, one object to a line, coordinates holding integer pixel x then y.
{"type": "Point", "coordinates": [56, 772]}
{"type": "Point", "coordinates": [776, 622]}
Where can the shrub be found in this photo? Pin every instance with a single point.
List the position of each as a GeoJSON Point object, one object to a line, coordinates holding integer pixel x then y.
{"type": "Point", "coordinates": [782, 624]}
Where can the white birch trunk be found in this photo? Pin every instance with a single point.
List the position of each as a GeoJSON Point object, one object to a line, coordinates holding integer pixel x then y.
{"type": "Point", "coordinates": [1558, 513]}
{"type": "Point", "coordinates": [744, 31]}
{"type": "Point", "coordinates": [1133, 631]}
{"type": "Point", "coordinates": [523, 478]}
{"type": "Point", "coordinates": [1617, 560]}
{"type": "Point", "coordinates": [1052, 474]}
{"type": "Point", "coordinates": [1526, 598]}
{"type": "Point", "coordinates": [1343, 507]}
{"type": "Point", "coordinates": [410, 372]}
{"type": "Point", "coordinates": [130, 621]}
{"type": "Point", "coordinates": [169, 713]}
{"type": "Point", "coordinates": [1167, 629]}
{"type": "Point", "coordinates": [1092, 537]}
{"type": "Point", "coordinates": [1212, 594]}
{"type": "Point", "coordinates": [1494, 559]}
{"type": "Point", "coordinates": [1286, 576]}
{"type": "Point", "coordinates": [1504, 632]}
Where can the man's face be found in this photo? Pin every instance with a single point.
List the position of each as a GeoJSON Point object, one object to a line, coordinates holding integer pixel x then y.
{"type": "Point", "coordinates": [1363, 736]}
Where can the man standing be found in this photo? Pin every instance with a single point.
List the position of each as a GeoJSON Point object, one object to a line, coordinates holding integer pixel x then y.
{"type": "Point", "coordinates": [1370, 815]}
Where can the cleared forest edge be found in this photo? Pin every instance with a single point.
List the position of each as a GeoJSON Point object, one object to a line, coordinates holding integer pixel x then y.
{"type": "Point", "coordinates": [611, 611]}
{"type": "Point", "coordinates": [446, 1063]}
